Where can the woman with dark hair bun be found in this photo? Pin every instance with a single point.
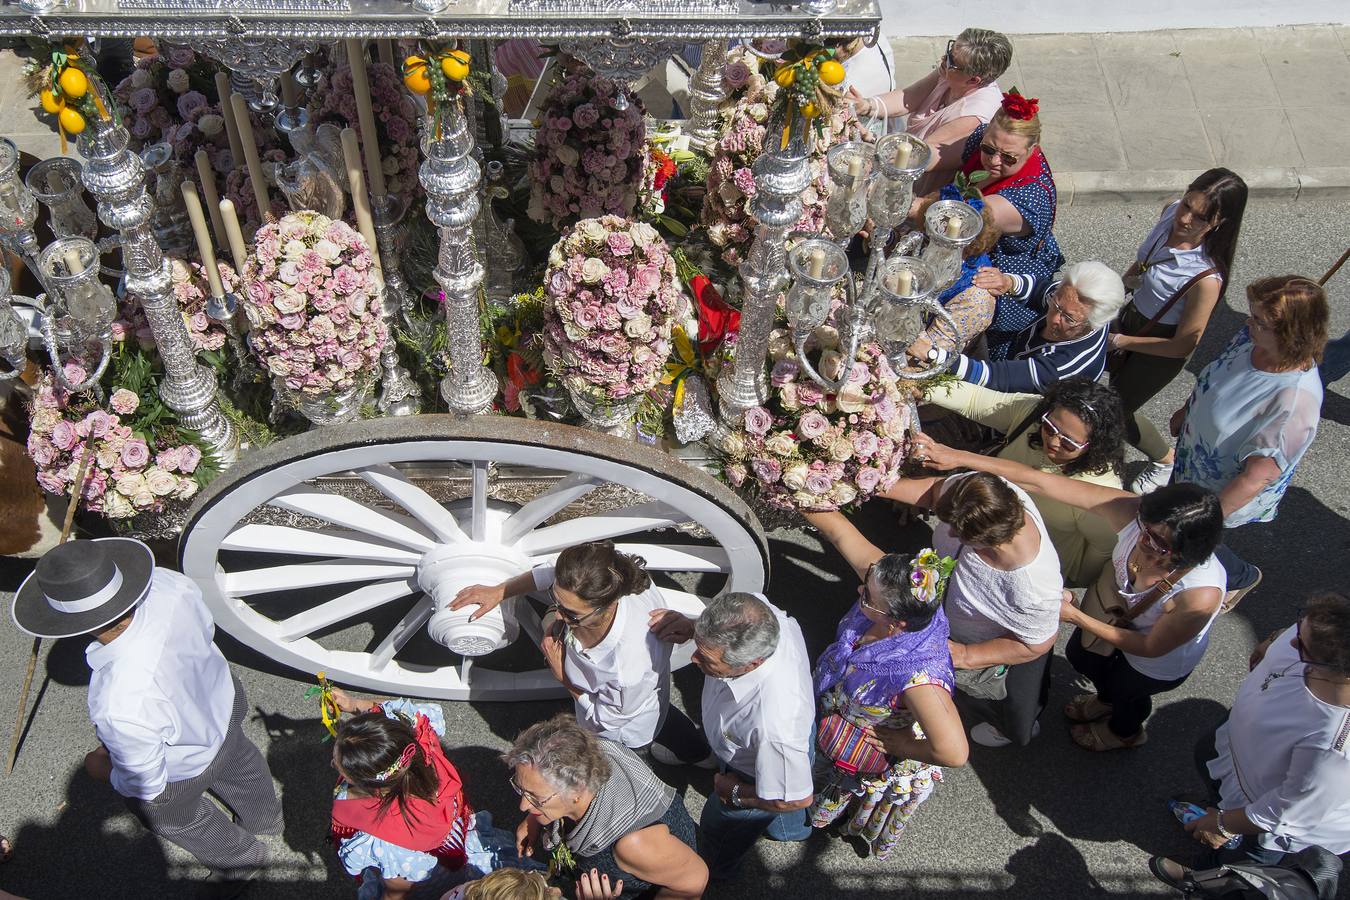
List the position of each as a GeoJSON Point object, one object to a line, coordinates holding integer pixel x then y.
{"type": "Point", "coordinates": [1152, 608]}
{"type": "Point", "coordinates": [601, 649]}
{"type": "Point", "coordinates": [1076, 429]}
{"type": "Point", "coordinates": [399, 806]}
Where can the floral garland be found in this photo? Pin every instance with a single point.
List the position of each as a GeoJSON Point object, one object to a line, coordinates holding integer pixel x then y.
{"type": "Point", "coordinates": [139, 462]}
{"type": "Point", "coordinates": [727, 216]}
{"type": "Point", "coordinates": [311, 303]}
{"type": "Point", "coordinates": [612, 299]}
{"type": "Point", "coordinates": [396, 120]}
{"type": "Point", "coordinates": [589, 153]}
{"type": "Point", "coordinates": [811, 450]}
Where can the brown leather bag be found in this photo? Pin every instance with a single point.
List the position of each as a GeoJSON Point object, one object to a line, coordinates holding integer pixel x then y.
{"type": "Point", "coordinates": [1102, 601]}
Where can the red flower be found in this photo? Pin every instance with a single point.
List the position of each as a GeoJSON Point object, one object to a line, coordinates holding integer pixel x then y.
{"type": "Point", "coordinates": [665, 168]}
{"type": "Point", "coordinates": [1019, 107]}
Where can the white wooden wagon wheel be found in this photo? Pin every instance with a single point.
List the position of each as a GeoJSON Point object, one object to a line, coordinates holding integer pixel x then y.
{"type": "Point", "coordinates": [338, 550]}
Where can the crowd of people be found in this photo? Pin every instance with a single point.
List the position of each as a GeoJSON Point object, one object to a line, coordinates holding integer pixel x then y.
{"type": "Point", "coordinates": [1022, 470]}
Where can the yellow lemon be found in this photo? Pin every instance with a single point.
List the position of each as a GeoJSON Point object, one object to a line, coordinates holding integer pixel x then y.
{"type": "Point", "coordinates": [71, 120]}
{"type": "Point", "coordinates": [73, 83]}
{"type": "Point", "coordinates": [455, 65]}
{"type": "Point", "coordinates": [785, 76]}
{"type": "Point", "coordinates": [52, 103]}
{"type": "Point", "coordinates": [809, 110]}
{"type": "Point", "coordinates": [831, 72]}
{"type": "Point", "coordinates": [415, 75]}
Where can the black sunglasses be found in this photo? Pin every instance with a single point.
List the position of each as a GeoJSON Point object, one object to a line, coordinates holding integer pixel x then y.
{"type": "Point", "coordinates": [950, 61]}
{"type": "Point", "coordinates": [569, 618]}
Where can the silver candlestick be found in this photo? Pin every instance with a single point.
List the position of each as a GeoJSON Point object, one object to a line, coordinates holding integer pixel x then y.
{"type": "Point", "coordinates": [450, 176]}
{"type": "Point", "coordinates": [171, 225]}
{"type": "Point", "coordinates": [782, 173]}
{"type": "Point", "coordinates": [116, 178]}
{"type": "Point", "coordinates": [399, 394]}
{"type": "Point", "coordinates": [706, 94]}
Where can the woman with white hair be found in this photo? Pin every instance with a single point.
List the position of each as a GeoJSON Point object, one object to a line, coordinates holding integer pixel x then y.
{"type": "Point", "coordinates": [1069, 340]}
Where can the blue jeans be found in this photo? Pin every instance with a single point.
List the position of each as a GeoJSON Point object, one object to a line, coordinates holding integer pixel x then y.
{"type": "Point", "coordinates": [726, 834]}
{"type": "Point", "coordinates": [1240, 572]}
{"type": "Point", "coordinates": [1335, 360]}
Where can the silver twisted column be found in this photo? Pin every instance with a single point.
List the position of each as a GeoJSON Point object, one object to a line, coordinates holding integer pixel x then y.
{"type": "Point", "coordinates": [781, 175]}
{"type": "Point", "coordinates": [706, 94]}
{"type": "Point", "coordinates": [450, 176]}
{"type": "Point", "coordinates": [399, 394]}
{"type": "Point", "coordinates": [116, 179]}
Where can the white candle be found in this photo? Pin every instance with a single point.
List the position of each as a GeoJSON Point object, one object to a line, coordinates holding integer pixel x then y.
{"type": "Point", "coordinates": [817, 263]}
{"type": "Point", "coordinates": [206, 177]}
{"type": "Point", "coordinates": [204, 248]}
{"type": "Point", "coordinates": [255, 172]}
{"type": "Point", "coordinates": [74, 265]}
{"type": "Point", "coordinates": [290, 91]}
{"type": "Point", "coordinates": [370, 142]}
{"type": "Point", "coordinates": [351, 155]}
{"type": "Point", "coordinates": [223, 93]}
{"type": "Point", "coordinates": [386, 50]}
{"type": "Point", "coordinates": [902, 151]}
{"type": "Point", "coordinates": [234, 236]}
{"type": "Point", "coordinates": [954, 227]}
{"type": "Point", "coordinates": [904, 282]}
{"type": "Point", "coordinates": [855, 164]}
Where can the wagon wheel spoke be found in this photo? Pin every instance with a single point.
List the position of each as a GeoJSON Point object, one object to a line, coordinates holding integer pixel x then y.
{"type": "Point", "coordinates": [680, 558]}
{"type": "Point", "coordinates": [546, 505]}
{"type": "Point", "coordinates": [347, 513]}
{"type": "Point", "coordinates": [309, 575]}
{"type": "Point", "coordinates": [402, 633]}
{"type": "Point", "coordinates": [352, 603]}
{"type": "Point", "coordinates": [478, 502]}
{"type": "Point", "coordinates": [423, 507]}
{"type": "Point", "coordinates": [325, 542]}
{"type": "Point", "coordinates": [599, 527]}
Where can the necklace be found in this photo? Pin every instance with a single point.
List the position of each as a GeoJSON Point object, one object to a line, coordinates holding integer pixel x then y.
{"type": "Point", "coordinates": [1265, 684]}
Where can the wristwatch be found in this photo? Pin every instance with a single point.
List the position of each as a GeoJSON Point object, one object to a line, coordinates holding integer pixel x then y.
{"type": "Point", "coordinates": [1218, 826]}
{"type": "Point", "coordinates": [736, 796]}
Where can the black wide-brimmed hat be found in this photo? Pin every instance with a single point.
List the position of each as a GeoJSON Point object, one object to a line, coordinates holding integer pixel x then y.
{"type": "Point", "coordinates": [81, 586]}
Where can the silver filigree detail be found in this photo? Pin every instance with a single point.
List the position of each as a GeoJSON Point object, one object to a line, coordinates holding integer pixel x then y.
{"type": "Point", "coordinates": [622, 59]}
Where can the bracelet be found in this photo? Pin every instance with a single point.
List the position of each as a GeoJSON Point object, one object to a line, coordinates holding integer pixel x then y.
{"type": "Point", "coordinates": [736, 796]}
{"type": "Point", "coordinates": [1218, 826]}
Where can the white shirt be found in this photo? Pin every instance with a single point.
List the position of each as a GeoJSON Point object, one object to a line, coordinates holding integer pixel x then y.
{"type": "Point", "coordinates": [161, 694]}
{"type": "Point", "coordinates": [1283, 755]}
{"type": "Point", "coordinates": [984, 603]}
{"type": "Point", "coordinates": [1168, 270]}
{"type": "Point", "coordinates": [1179, 662]}
{"type": "Point", "coordinates": [625, 678]}
{"type": "Point", "coordinates": [761, 723]}
{"type": "Point", "coordinates": [872, 69]}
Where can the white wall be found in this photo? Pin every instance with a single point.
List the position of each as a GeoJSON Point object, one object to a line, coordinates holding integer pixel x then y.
{"type": "Point", "coordinates": [934, 17]}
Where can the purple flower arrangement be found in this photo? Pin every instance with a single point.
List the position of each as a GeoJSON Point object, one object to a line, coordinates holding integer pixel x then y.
{"type": "Point", "coordinates": [396, 120]}
{"type": "Point", "coordinates": [191, 290]}
{"type": "Point", "coordinates": [310, 297]}
{"type": "Point", "coordinates": [808, 449]}
{"type": "Point", "coordinates": [160, 101]}
{"type": "Point", "coordinates": [128, 472]}
{"type": "Point", "coordinates": [589, 153]}
{"type": "Point", "coordinates": [612, 296]}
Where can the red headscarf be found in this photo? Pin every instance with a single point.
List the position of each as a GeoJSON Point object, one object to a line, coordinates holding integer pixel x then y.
{"type": "Point", "coordinates": [436, 828]}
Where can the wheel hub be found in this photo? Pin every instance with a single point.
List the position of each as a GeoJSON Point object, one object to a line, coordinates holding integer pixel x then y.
{"type": "Point", "coordinates": [449, 568]}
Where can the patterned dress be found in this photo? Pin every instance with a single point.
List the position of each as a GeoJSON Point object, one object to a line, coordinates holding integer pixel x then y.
{"type": "Point", "coordinates": [879, 806]}
{"type": "Point", "coordinates": [1035, 254]}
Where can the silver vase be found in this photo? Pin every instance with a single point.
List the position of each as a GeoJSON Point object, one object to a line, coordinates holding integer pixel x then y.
{"type": "Point", "coordinates": [336, 407]}
{"type": "Point", "coordinates": [616, 417]}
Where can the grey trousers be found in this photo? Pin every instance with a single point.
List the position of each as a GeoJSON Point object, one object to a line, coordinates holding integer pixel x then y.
{"type": "Point", "coordinates": [182, 814]}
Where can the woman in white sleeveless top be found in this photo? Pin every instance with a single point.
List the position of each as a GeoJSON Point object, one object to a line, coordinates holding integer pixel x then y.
{"type": "Point", "coordinates": [950, 102]}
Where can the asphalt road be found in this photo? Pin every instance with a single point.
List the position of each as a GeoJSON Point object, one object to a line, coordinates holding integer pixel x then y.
{"type": "Point", "coordinates": [1048, 821]}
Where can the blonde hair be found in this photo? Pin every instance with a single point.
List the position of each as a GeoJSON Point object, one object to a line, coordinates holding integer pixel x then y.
{"type": "Point", "coordinates": [988, 53]}
{"type": "Point", "coordinates": [508, 884]}
{"type": "Point", "coordinates": [1027, 128]}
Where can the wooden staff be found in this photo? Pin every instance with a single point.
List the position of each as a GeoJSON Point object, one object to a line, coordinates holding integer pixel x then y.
{"type": "Point", "coordinates": [37, 642]}
{"type": "Point", "coordinates": [1336, 268]}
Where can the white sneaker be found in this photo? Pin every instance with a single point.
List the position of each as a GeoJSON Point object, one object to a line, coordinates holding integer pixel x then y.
{"type": "Point", "coordinates": [987, 735]}
{"type": "Point", "coordinates": [1154, 476]}
{"type": "Point", "coordinates": [666, 757]}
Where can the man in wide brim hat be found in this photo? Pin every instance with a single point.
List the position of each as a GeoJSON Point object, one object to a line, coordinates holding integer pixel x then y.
{"type": "Point", "coordinates": [163, 701]}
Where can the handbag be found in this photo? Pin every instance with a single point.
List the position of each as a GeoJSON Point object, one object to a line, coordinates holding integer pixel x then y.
{"type": "Point", "coordinates": [995, 447]}
{"type": "Point", "coordinates": [1115, 359]}
{"type": "Point", "coordinates": [989, 683]}
{"type": "Point", "coordinates": [1102, 601]}
{"type": "Point", "coordinates": [845, 745]}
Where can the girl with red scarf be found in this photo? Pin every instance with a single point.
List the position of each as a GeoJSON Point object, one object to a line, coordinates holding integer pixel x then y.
{"type": "Point", "coordinates": [399, 803]}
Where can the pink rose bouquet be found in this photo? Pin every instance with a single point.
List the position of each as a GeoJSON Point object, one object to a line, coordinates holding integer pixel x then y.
{"type": "Point", "coordinates": [396, 120]}
{"type": "Point", "coordinates": [129, 472]}
{"type": "Point", "coordinates": [811, 450]}
{"type": "Point", "coordinates": [589, 153]}
{"type": "Point", "coordinates": [612, 297]}
{"type": "Point", "coordinates": [191, 290]}
{"type": "Point", "coordinates": [310, 297]}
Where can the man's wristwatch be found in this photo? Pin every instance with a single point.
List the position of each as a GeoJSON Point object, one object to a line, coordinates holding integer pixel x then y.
{"type": "Point", "coordinates": [1218, 826]}
{"type": "Point", "coordinates": [736, 796]}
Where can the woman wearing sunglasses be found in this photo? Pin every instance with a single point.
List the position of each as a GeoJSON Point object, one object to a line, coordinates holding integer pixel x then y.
{"type": "Point", "coordinates": [947, 104]}
{"type": "Point", "coordinates": [1076, 429]}
{"type": "Point", "coordinates": [1278, 769]}
{"type": "Point", "coordinates": [1159, 596]}
{"type": "Point", "coordinates": [1255, 410]}
{"type": "Point", "coordinates": [601, 649]}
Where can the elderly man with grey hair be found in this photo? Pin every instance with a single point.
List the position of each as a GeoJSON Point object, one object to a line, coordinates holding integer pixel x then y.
{"type": "Point", "coordinates": [1067, 323]}
{"type": "Point", "coordinates": [758, 715]}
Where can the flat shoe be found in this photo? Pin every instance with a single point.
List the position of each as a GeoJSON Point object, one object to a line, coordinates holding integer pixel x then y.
{"type": "Point", "coordinates": [1086, 708]}
{"type": "Point", "coordinates": [1170, 873]}
{"type": "Point", "coordinates": [1099, 738]}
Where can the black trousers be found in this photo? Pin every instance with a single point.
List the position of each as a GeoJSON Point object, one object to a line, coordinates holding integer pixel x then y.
{"type": "Point", "coordinates": [1015, 715]}
{"type": "Point", "coordinates": [1118, 683]}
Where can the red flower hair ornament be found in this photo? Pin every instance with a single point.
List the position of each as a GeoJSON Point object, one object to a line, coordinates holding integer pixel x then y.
{"type": "Point", "coordinates": [1019, 107]}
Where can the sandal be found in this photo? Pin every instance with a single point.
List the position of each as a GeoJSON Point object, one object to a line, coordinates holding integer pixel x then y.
{"type": "Point", "coordinates": [1099, 738]}
{"type": "Point", "coordinates": [1232, 598]}
{"type": "Point", "coordinates": [1087, 708]}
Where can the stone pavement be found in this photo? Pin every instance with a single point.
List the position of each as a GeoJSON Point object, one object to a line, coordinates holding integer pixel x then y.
{"type": "Point", "coordinates": [1134, 115]}
{"type": "Point", "coordinates": [1138, 115]}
